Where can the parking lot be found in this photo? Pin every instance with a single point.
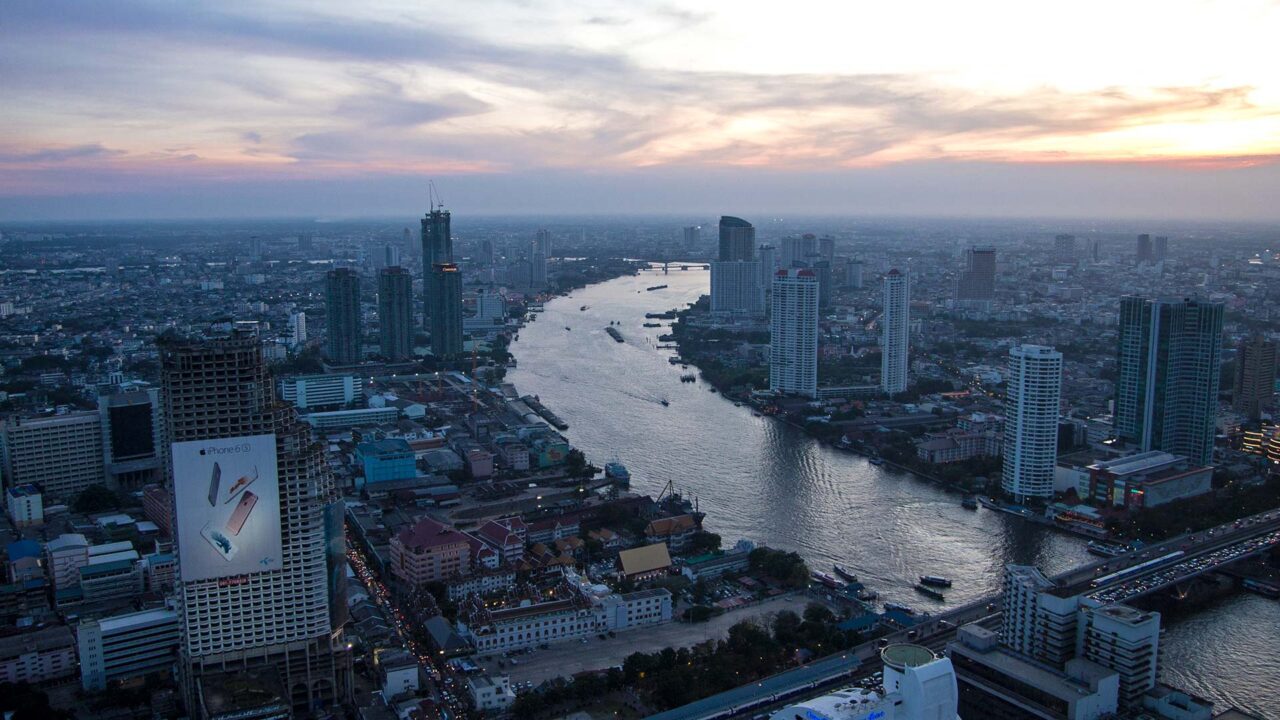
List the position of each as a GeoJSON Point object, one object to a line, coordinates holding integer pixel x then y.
{"type": "Point", "coordinates": [567, 658]}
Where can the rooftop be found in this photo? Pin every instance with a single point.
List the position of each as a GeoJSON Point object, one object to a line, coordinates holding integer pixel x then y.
{"type": "Point", "coordinates": [904, 655]}
{"type": "Point", "coordinates": [644, 559]}
{"type": "Point", "coordinates": [428, 533]}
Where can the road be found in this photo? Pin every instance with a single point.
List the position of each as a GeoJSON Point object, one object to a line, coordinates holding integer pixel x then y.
{"type": "Point", "coordinates": [1204, 550]}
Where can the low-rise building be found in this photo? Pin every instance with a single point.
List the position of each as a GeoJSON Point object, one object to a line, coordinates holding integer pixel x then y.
{"type": "Point", "coordinates": [519, 627]}
{"type": "Point", "coordinates": [385, 460]}
{"type": "Point", "coordinates": [1147, 480]}
{"type": "Point", "coordinates": [126, 646]}
{"type": "Point", "coordinates": [490, 693]}
{"type": "Point", "coordinates": [956, 445]}
{"type": "Point", "coordinates": [24, 505]}
{"type": "Point", "coordinates": [645, 562]}
{"type": "Point", "coordinates": [37, 657]}
{"type": "Point", "coordinates": [67, 553]}
{"type": "Point", "coordinates": [674, 531]}
{"type": "Point", "coordinates": [318, 391]}
{"type": "Point", "coordinates": [399, 672]}
{"type": "Point", "coordinates": [430, 551]}
{"type": "Point", "coordinates": [711, 567]}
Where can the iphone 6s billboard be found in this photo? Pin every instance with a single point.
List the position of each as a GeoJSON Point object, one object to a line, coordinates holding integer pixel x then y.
{"type": "Point", "coordinates": [227, 501]}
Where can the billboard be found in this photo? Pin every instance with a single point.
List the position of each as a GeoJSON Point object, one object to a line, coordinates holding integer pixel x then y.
{"type": "Point", "coordinates": [227, 502]}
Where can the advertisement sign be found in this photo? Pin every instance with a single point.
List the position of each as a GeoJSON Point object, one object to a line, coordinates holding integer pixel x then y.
{"type": "Point", "coordinates": [227, 502]}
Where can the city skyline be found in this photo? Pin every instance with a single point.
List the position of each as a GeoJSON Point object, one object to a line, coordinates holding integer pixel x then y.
{"type": "Point", "coordinates": [148, 112]}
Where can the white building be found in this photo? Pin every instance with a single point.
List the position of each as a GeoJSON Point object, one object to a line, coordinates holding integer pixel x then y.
{"type": "Point", "coordinates": [918, 685]}
{"type": "Point", "coordinates": [67, 554]}
{"type": "Point", "coordinates": [490, 692]}
{"type": "Point", "coordinates": [1031, 421]}
{"type": "Point", "coordinates": [24, 505]}
{"type": "Point", "coordinates": [490, 305]}
{"type": "Point", "coordinates": [309, 391]}
{"type": "Point", "coordinates": [585, 613]}
{"type": "Point", "coordinates": [298, 328]}
{"type": "Point", "coordinates": [735, 288]}
{"type": "Point", "coordinates": [793, 333]}
{"type": "Point", "coordinates": [399, 672]}
{"type": "Point", "coordinates": [62, 454]}
{"type": "Point", "coordinates": [1127, 641]}
{"type": "Point", "coordinates": [127, 646]}
{"type": "Point", "coordinates": [895, 332]}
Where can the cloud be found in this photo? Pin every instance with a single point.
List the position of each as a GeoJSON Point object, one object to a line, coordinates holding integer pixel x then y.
{"type": "Point", "coordinates": [60, 154]}
{"type": "Point", "coordinates": [251, 137]}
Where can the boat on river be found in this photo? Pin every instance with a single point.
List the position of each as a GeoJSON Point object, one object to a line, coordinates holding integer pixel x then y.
{"type": "Point", "coordinates": [876, 461]}
{"type": "Point", "coordinates": [900, 608]}
{"type": "Point", "coordinates": [827, 580]}
{"type": "Point", "coordinates": [613, 333]}
{"type": "Point", "coordinates": [929, 592]}
{"type": "Point", "coordinates": [844, 573]}
{"type": "Point", "coordinates": [969, 503]}
{"type": "Point", "coordinates": [935, 580]}
{"type": "Point", "coordinates": [1106, 549]}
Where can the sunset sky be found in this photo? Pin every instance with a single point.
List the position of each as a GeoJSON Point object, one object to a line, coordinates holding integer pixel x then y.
{"type": "Point", "coordinates": [228, 109]}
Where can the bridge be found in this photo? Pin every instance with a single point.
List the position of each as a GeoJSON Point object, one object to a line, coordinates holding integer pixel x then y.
{"type": "Point", "coordinates": [1155, 567]}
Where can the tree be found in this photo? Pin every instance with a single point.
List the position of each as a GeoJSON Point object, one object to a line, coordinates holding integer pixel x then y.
{"type": "Point", "coordinates": [575, 463]}
{"type": "Point", "coordinates": [96, 498]}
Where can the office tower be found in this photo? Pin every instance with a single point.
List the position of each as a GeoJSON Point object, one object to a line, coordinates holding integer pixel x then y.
{"type": "Point", "coordinates": [1031, 421]}
{"type": "Point", "coordinates": [1064, 249]}
{"type": "Point", "coordinates": [823, 270]}
{"type": "Point", "coordinates": [298, 328]}
{"type": "Point", "coordinates": [390, 256]}
{"type": "Point", "coordinates": [737, 240]}
{"type": "Point", "coordinates": [1125, 640]}
{"type": "Point", "coordinates": [853, 274]}
{"type": "Point", "coordinates": [255, 247]}
{"type": "Point", "coordinates": [446, 310]}
{"type": "Point", "coordinates": [395, 313]}
{"type": "Point", "coordinates": [486, 252]}
{"type": "Point", "coordinates": [304, 242]}
{"type": "Point", "coordinates": [542, 243]}
{"type": "Point", "coordinates": [1169, 360]}
{"type": "Point", "coordinates": [1036, 621]}
{"type": "Point", "coordinates": [1160, 249]}
{"type": "Point", "coordinates": [792, 252]}
{"type": "Point", "coordinates": [132, 438]}
{"type": "Point", "coordinates": [62, 453]}
{"type": "Point", "coordinates": [895, 332]}
{"type": "Point", "coordinates": [976, 284]}
{"type": "Point", "coordinates": [343, 327]}
{"type": "Point", "coordinates": [437, 248]}
{"type": "Point", "coordinates": [1096, 249]}
{"type": "Point", "coordinates": [1255, 376]}
{"type": "Point", "coordinates": [260, 554]}
{"type": "Point", "coordinates": [735, 287]}
{"type": "Point", "coordinates": [538, 260]}
{"type": "Point", "coordinates": [827, 249]}
{"type": "Point", "coordinates": [692, 237]}
{"type": "Point", "coordinates": [808, 248]}
{"type": "Point", "coordinates": [793, 333]}
{"type": "Point", "coordinates": [767, 256]}
{"type": "Point", "coordinates": [1146, 253]}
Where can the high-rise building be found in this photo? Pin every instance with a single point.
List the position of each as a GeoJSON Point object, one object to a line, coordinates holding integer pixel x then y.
{"type": "Point", "coordinates": [1064, 249]}
{"type": "Point", "coordinates": [917, 685]}
{"type": "Point", "coordinates": [737, 240]}
{"type": "Point", "coordinates": [391, 255]}
{"type": "Point", "coordinates": [1146, 253]}
{"type": "Point", "coordinates": [1160, 249]}
{"type": "Point", "coordinates": [792, 252]}
{"type": "Point", "coordinates": [853, 274]}
{"type": "Point", "coordinates": [304, 242]}
{"type": "Point", "coordinates": [490, 305]}
{"type": "Point", "coordinates": [1255, 376]}
{"type": "Point", "coordinates": [793, 333]}
{"type": "Point", "coordinates": [260, 575]}
{"type": "Point", "coordinates": [692, 237]}
{"type": "Point", "coordinates": [976, 284]}
{"type": "Point", "coordinates": [823, 269]}
{"type": "Point", "coordinates": [1169, 360]}
{"type": "Point", "coordinates": [395, 313]}
{"type": "Point", "coordinates": [1125, 640]}
{"type": "Point", "coordinates": [827, 249]}
{"type": "Point", "coordinates": [767, 256]}
{"type": "Point", "coordinates": [486, 252]}
{"type": "Point", "coordinates": [735, 288]}
{"type": "Point", "coordinates": [255, 247]}
{"type": "Point", "coordinates": [343, 324]}
{"type": "Point", "coordinates": [298, 328]}
{"type": "Point", "coordinates": [895, 332]}
{"type": "Point", "coordinates": [132, 438]}
{"type": "Point", "coordinates": [60, 453]}
{"type": "Point", "coordinates": [542, 243]}
{"type": "Point", "coordinates": [446, 310]}
{"type": "Point", "coordinates": [1096, 249]}
{"type": "Point", "coordinates": [540, 251]}
{"type": "Point", "coordinates": [1031, 411]}
{"type": "Point", "coordinates": [437, 247]}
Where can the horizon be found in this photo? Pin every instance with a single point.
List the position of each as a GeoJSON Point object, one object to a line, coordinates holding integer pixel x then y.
{"type": "Point", "coordinates": [139, 110]}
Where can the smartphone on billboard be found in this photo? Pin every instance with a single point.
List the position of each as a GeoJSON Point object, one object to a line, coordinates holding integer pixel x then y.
{"type": "Point", "coordinates": [220, 541]}
{"type": "Point", "coordinates": [241, 513]}
{"type": "Point", "coordinates": [241, 483]}
{"type": "Point", "coordinates": [214, 484]}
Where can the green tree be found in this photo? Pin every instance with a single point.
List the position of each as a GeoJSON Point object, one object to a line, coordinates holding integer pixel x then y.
{"type": "Point", "coordinates": [96, 498]}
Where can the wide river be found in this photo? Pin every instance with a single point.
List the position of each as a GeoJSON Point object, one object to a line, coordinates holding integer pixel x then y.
{"type": "Point", "coordinates": [760, 479]}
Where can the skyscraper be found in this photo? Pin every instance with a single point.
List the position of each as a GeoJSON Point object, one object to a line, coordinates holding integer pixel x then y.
{"type": "Point", "coordinates": [1031, 421]}
{"type": "Point", "coordinates": [853, 274]}
{"type": "Point", "coordinates": [1255, 379]}
{"type": "Point", "coordinates": [446, 310]}
{"type": "Point", "coordinates": [1160, 250]}
{"type": "Point", "coordinates": [692, 237]}
{"type": "Point", "coordinates": [767, 255]}
{"type": "Point", "coordinates": [735, 287]}
{"type": "Point", "coordinates": [542, 243]}
{"type": "Point", "coordinates": [395, 313]}
{"type": "Point", "coordinates": [343, 327]}
{"type": "Point", "coordinates": [895, 332]}
{"type": "Point", "coordinates": [827, 248]}
{"type": "Point", "coordinates": [1146, 253]}
{"type": "Point", "coordinates": [793, 333]}
{"type": "Point", "coordinates": [437, 247]}
{"type": "Point", "coordinates": [823, 270]}
{"type": "Point", "coordinates": [298, 328]}
{"type": "Point", "coordinates": [792, 252]}
{"type": "Point", "coordinates": [737, 240]}
{"type": "Point", "coordinates": [1169, 360]}
{"type": "Point", "coordinates": [540, 251]}
{"type": "Point", "coordinates": [976, 284]}
{"type": "Point", "coordinates": [1064, 249]}
{"type": "Point", "coordinates": [273, 623]}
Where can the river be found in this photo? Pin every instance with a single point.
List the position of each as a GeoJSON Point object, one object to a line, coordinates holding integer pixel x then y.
{"type": "Point", "coordinates": [760, 479]}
